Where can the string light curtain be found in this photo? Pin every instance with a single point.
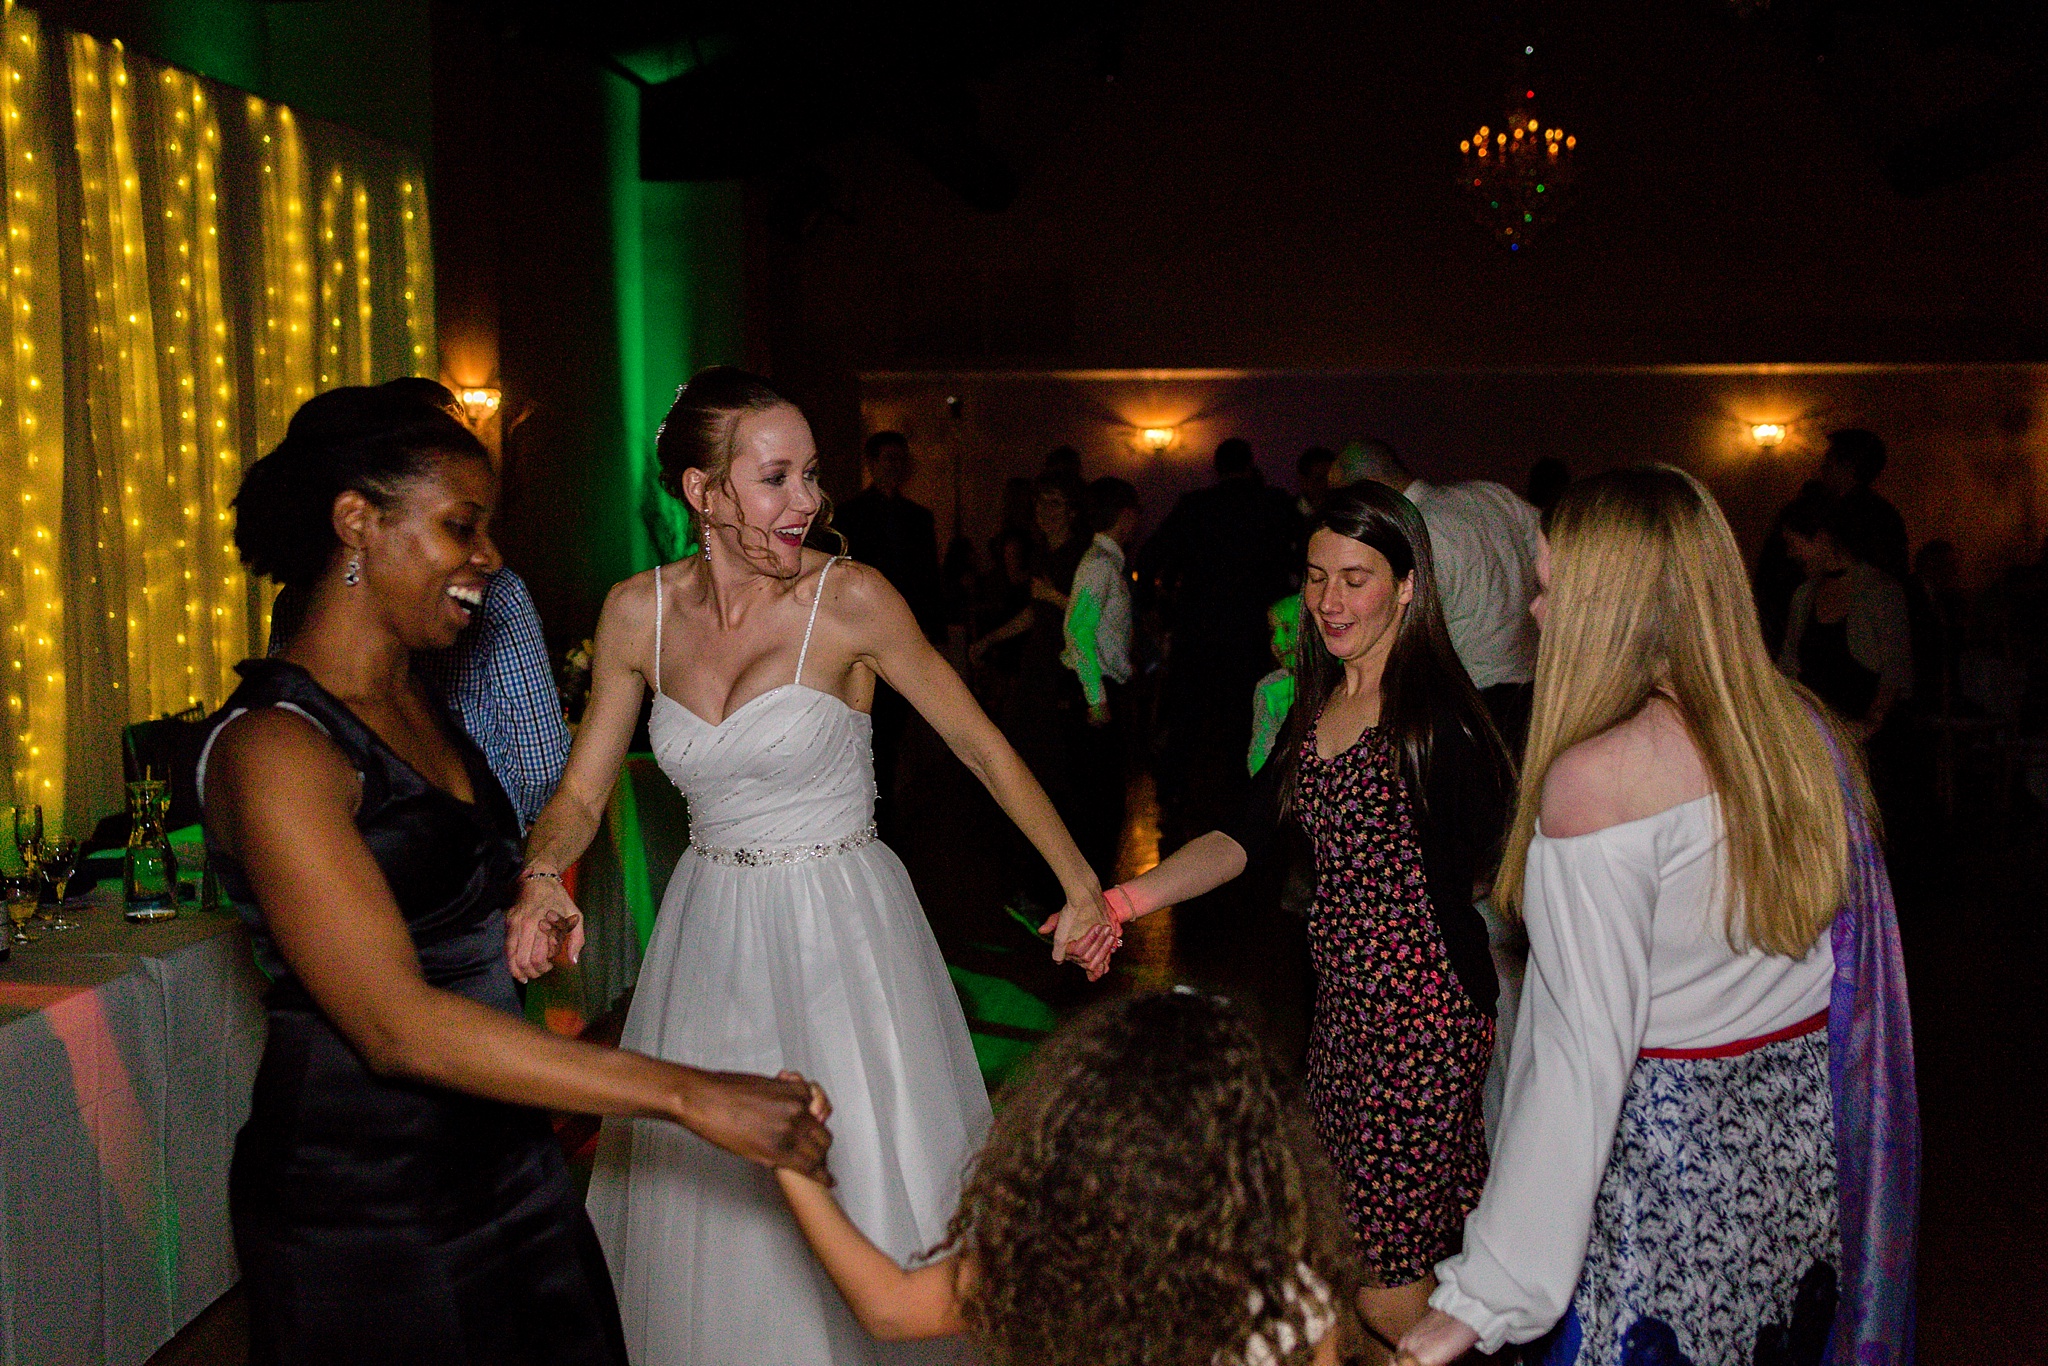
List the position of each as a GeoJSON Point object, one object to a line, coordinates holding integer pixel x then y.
{"type": "Point", "coordinates": [376, 300]}
{"type": "Point", "coordinates": [225, 261]}
{"type": "Point", "coordinates": [284, 342]}
{"type": "Point", "coordinates": [31, 424]}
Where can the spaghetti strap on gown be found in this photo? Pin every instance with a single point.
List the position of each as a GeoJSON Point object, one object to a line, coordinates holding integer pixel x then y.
{"type": "Point", "coordinates": [789, 937]}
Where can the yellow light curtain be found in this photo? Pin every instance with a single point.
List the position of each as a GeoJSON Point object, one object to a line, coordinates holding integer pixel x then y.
{"type": "Point", "coordinates": [284, 340]}
{"type": "Point", "coordinates": [155, 670]}
{"type": "Point", "coordinates": [206, 455]}
{"type": "Point", "coordinates": [417, 252]}
{"type": "Point", "coordinates": [225, 261]}
{"type": "Point", "coordinates": [31, 422]}
{"type": "Point", "coordinates": [374, 310]}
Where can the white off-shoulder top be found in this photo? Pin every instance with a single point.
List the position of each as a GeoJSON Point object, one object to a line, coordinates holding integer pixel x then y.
{"type": "Point", "coordinates": [1627, 950]}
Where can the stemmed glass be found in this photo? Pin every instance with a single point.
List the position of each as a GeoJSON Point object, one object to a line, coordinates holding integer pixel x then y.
{"type": "Point", "coordinates": [28, 835]}
{"type": "Point", "coordinates": [28, 839]}
{"type": "Point", "coordinates": [23, 891]}
{"type": "Point", "coordinates": [59, 862]}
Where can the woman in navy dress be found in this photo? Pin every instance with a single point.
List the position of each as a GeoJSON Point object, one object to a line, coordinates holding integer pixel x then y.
{"type": "Point", "coordinates": [396, 1195]}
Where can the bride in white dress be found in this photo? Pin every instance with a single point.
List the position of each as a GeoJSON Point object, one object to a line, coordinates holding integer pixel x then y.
{"type": "Point", "coordinates": [789, 938]}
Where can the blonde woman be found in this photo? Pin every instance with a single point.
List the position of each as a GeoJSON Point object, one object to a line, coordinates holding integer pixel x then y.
{"type": "Point", "coordinates": [1709, 1134]}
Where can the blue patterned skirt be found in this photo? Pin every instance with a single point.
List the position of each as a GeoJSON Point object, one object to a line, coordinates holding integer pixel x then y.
{"type": "Point", "coordinates": [1716, 1231]}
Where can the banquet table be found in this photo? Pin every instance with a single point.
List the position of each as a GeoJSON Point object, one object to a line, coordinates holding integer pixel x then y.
{"type": "Point", "coordinates": [126, 1056]}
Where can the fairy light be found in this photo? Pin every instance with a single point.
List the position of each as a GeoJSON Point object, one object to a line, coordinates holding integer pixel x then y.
{"type": "Point", "coordinates": [129, 440]}
{"type": "Point", "coordinates": [212, 628]}
{"type": "Point", "coordinates": [187, 396]}
{"type": "Point", "coordinates": [285, 362]}
{"type": "Point", "coordinates": [233, 636]}
{"type": "Point", "coordinates": [360, 223]}
{"type": "Point", "coordinates": [419, 281]}
{"type": "Point", "coordinates": [31, 447]}
{"type": "Point", "coordinates": [331, 275]}
{"type": "Point", "coordinates": [163, 683]}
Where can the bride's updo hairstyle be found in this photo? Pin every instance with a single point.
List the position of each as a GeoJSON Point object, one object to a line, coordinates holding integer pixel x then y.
{"type": "Point", "coordinates": [367, 440]}
{"type": "Point", "coordinates": [701, 433]}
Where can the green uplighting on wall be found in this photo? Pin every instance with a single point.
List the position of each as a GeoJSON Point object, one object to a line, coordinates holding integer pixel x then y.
{"type": "Point", "coordinates": [680, 296]}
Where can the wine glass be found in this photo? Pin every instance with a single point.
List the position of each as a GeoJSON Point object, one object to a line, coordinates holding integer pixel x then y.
{"type": "Point", "coordinates": [59, 862]}
{"type": "Point", "coordinates": [23, 891]}
{"type": "Point", "coordinates": [28, 835]}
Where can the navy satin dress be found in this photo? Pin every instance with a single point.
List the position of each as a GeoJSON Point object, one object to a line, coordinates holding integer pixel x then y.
{"type": "Point", "coordinates": [385, 1220]}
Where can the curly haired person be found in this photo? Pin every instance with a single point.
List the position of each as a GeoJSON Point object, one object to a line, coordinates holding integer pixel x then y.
{"type": "Point", "coordinates": [1151, 1191]}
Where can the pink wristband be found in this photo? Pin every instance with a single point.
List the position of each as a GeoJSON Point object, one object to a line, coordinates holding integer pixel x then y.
{"type": "Point", "coordinates": [1122, 910]}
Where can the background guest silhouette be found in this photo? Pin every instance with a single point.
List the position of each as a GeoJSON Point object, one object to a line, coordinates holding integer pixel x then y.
{"type": "Point", "coordinates": [1218, 560]}
{"type": "Point", "coordinates": [884, 528]}
{"type": "Point", "coordinates": [1855, 458]}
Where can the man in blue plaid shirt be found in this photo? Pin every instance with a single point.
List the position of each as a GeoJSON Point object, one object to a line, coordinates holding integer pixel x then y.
{"type": "Point", "coordinates": [497, 680]}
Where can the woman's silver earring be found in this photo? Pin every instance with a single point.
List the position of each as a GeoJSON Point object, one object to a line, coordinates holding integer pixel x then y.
{"type": "Point", "coordinates": [354, 575]}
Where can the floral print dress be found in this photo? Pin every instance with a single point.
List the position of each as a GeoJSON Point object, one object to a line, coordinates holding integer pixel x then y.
{"type": "Point", "coordinates": [1398, 1052]}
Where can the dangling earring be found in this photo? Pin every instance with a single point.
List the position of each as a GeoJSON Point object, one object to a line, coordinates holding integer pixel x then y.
{"type": "Point", "coordinates": [354, 575]}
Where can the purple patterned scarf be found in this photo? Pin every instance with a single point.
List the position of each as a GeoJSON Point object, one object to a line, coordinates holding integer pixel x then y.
{"type": "Point", "coordinates": [1877, 1112]}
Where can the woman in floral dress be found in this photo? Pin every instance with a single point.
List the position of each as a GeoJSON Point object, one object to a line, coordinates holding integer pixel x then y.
{"type": "Point", "coordinates": [1396, 774]}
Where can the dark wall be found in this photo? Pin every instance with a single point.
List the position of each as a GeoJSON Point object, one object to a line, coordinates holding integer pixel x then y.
{"type": "Point", "coordinates": [1968, 444]}
{"type": "Point", "coordinates": [559, 203]}
{"type": "Point", "coordinates": [1272, 186]}
{"type": "Point", "coordinates": [362, 63]}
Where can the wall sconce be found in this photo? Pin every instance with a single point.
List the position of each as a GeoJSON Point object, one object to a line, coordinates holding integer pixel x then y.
{"type": "Point", "coordinates": [1767, 434]}
{"type": "Point", "coordinates": [1156, 440]}
{"type": "Point", "coordinates": [479, 404]}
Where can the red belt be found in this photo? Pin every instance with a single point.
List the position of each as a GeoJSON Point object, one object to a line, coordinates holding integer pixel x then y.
{"type": "Point", "coordinates": [1812, 1024]}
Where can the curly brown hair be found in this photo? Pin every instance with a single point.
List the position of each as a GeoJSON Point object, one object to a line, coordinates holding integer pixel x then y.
{"type": "Point", "coordinates": [1149, 1178]}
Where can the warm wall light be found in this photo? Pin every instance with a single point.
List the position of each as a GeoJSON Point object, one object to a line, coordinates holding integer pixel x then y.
{"type": "Point", "coordinates": [479, 404]}
{"type": "Point", "coordinates": [1156, 439]}
{"type": "Point", "coordinates": [1767, 434]}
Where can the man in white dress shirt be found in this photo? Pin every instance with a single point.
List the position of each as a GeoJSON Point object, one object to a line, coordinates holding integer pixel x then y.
{"type": "Point", "coordinates": [1483, 540]}
{"type": "Point", "coordinates": [1098, 632]}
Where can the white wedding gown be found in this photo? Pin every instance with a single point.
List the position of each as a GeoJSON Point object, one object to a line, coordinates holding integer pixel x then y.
{"type": "Point", "coordinates": [789, 938]}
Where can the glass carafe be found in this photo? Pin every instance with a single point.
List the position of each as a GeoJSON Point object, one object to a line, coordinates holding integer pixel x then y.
{"type": "Point", "coordinates": [149, 869]}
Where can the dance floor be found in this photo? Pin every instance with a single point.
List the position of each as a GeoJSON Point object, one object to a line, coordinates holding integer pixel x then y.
{"type": "Point", "coordinates": [1977, 960]}
{"type": "Point", "coordinates": [1976, 945]}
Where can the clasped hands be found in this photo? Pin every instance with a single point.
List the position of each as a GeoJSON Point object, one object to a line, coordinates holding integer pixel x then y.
{"type": "Point", "coordinates": [1087, 930]}
{"type": "Point", "coordinates": [776, 1121]}
{"type": "Point", "coordinates": [1437, 1340]}
{"type": "Point", "coordinates": [543, 923]}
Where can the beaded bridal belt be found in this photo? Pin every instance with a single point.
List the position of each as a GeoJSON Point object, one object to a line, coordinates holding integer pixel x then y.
{"type": "Point", "coordinates": [801, 853]}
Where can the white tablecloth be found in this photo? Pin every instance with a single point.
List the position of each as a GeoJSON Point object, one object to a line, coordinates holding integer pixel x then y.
{"type": "Point", "coordinates": [126, 1057]}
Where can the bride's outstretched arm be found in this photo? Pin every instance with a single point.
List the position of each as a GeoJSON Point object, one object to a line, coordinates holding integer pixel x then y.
{"type": "Point", "coordinates": [545, 916]}
{"type": "Point", "coordinates": [886, 638]}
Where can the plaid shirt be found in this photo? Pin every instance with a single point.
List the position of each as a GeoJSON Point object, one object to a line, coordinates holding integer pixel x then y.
{"type": "Point", "coordinates": [498, 682]}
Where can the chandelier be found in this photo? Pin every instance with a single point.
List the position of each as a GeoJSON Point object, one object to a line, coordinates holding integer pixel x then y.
{"type": "Point", "coordinates": [1516, 174]}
